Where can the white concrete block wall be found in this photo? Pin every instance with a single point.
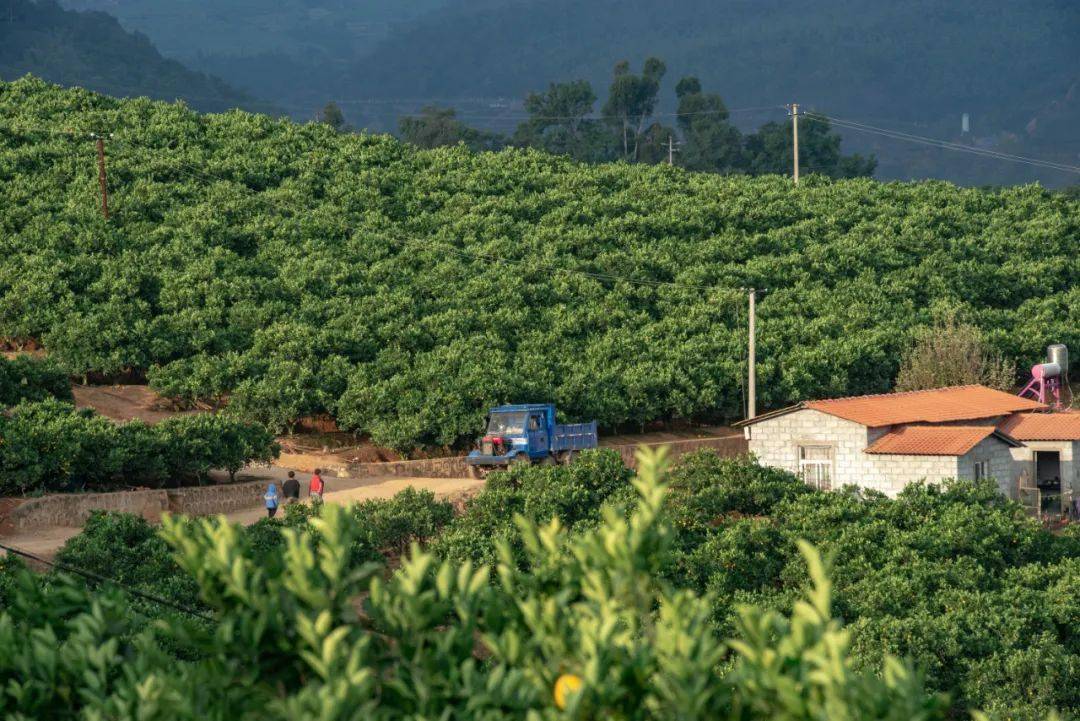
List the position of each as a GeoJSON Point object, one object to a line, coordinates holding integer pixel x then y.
{"type": "Point", "coordinates": [1002, 468]}
{"type": "Point", "coordinates": [903, 470]}
{"type": "Point", "coordinates": [776, 441]}
{"type": "Point", "coordinates": [1023, 459]}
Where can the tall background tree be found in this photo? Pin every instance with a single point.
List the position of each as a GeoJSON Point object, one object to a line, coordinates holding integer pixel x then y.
{"type": "Point", "coordinates": [710, 142]}
{"type": "Point", "coordinates": [331, 115]}
{"type": "Point", "coordinates": [631, 101]}
{"type": "Point", "coordinates": [769, 150]}
{"type": "Point", "coordinates": [435, 127]}
{"type": "Point", "coordinates": [559, 123]}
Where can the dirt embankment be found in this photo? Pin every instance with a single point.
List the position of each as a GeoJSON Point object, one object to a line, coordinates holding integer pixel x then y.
{"type": "Point", "coordinates": [127, 403]}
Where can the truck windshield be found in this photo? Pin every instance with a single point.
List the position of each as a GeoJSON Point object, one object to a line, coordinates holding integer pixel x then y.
{"type": "Point", "coordinates": [507, 424]}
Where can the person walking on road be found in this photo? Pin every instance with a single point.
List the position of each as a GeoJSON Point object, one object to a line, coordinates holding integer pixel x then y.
{"type": "Point", "coordinates": [317, 487]}
{"type": "Point", "coordinates": [291, 489]}
{"type": "Point", "coordinates": [271, 498]}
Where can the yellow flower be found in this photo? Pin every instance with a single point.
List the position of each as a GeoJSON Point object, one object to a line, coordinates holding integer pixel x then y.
{"type": "Point", "coordinates": [565, 685]}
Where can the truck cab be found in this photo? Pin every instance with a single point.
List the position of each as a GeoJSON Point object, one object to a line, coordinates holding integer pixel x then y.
{"type": "Point", "coordinates": [528, 434]}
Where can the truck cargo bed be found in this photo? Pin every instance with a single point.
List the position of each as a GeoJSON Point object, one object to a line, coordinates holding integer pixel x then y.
{"type": "Point", "coordinates": [574, 437]}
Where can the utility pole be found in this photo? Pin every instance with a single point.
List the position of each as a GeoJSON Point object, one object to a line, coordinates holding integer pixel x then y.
{"type": "Point", "coordinates": [671, 150]}
{"type": "Point", "coordinates": [101, 174]}
{"type": "Point", "coordinates": [795, 138]}
{"type": "Point", "coordinates": [752, 383]}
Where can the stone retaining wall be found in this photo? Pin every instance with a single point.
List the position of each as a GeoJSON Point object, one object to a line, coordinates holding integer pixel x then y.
{"type": "Point", "coordinates": [451, 467]}
{"type": "Point", "coordinates": [727, 447]}
{"type": "Point", "coordinates": [72, 509]}
{"type": "Point", "coordinates": [211, 500]}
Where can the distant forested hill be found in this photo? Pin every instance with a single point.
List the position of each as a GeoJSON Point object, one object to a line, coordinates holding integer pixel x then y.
{"type": "Point", "coordinates": [91, 50]}
{"type": "Point", "coordinates": [997, 59]}
{"type": "Point", "coordinates": [910, 65]}
{"type": "Point", "coordinates": [296, 52]}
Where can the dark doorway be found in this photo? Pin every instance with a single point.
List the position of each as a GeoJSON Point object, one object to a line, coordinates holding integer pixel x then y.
{"type": "Point", "coordinates": [1048, 478]}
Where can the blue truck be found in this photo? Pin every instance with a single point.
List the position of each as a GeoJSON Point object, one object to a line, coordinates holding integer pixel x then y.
{"type": "Point", "coordinates": [528, 434]}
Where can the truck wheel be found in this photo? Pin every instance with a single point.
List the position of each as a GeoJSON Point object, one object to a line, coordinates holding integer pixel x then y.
{"type": "Point", "coordinates": [548, 461]}
{"type": "Point", "coordinates": [475, 472]}
{"type": "Point", "coordinates": [567, 458]}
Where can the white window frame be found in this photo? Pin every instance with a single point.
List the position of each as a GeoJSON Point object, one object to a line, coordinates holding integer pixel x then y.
{"type": "Point", "coordinates": [810, 470]}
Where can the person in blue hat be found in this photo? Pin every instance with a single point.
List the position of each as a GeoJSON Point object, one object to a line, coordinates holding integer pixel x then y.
{"type": "Point", "coordinates": [271, 499]}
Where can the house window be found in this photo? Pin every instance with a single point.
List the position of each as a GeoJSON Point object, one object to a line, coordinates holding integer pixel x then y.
{"type": "Point", "coordinates": [982, 469]}
{"type": "Point", "coordinates": [816, 466]}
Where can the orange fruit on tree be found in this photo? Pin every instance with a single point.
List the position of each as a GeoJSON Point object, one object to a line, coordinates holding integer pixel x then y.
{"type": "Point", "coordinates": [565, 685]}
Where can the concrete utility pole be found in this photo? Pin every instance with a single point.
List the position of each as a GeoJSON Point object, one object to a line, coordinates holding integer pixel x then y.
{"type": "Point", "coordinates": [101, 175]}
{"type": "Point", "coordinates": [671, 150]}
{"type": "Point", "coordinates": [795, 138]}
{"type": "Point", "coordinates": [752, 381]}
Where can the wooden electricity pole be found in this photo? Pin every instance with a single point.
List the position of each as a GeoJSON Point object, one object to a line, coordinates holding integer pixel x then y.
{"type": "Point", "coordinates": [751, 385]}
{"type": "Point", "coordinates": [795, 138]}
{"type": "Point", "coordinates": [101, 175]}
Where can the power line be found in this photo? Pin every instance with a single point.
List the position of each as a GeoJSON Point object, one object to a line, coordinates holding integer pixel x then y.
{"type": "Point", "coordinates": [946, 145]}
{"type": "Point", "coordinates": [104, 579]}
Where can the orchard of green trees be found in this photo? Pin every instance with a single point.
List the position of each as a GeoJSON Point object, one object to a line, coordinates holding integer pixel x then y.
{"type": "Point", "coordinates": [564, 592]}
{"type": "Point", "coordinates": [562, 121]}
{"type": "Point", "coordinates": [286, 269]}
{"type": "Point", "coordinates": [46, 444]}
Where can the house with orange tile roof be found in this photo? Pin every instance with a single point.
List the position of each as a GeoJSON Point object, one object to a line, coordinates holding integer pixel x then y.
{"type": "Point", "coordinates": [884, 442]}
{"type": "Point", "coordinates": [1048, 462]}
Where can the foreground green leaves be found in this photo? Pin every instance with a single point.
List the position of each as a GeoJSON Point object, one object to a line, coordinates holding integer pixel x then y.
{"type": "Point", "coordinates": [320, 637]}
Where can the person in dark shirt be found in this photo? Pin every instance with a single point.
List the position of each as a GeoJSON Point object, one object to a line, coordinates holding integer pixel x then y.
{"type": "Point", "coordinates": [291, 488]}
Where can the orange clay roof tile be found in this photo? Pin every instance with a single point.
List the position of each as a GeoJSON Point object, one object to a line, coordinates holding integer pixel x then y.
{"type": "Point", "coordinates": [1043, 426]}
{"type": "Point", "coordinates": [940, 405]}
{"type": "Point", "coordinates": [935, 440]}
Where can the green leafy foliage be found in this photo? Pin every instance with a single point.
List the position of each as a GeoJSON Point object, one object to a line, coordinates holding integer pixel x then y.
{"type": "Point", "coordinates": [571, 493]}
{"type": "Point", "coordinates": [290, 270]}
{"type": "Point", "coordinates": [583, 626]}
{"type": "Point", "coordinates": [26, 378]}
{"type": "Point", "coordinates": [51, 446]}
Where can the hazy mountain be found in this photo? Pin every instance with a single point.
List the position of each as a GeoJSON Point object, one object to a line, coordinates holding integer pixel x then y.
{"type": "Point", "coordinates": [298, 52]}
{"type": "Point", "coordinates": [906, 58]}
{"type": "Point", "coordinates": [92, 50]}
{"type": "Point", "coordinates": [912, 65]}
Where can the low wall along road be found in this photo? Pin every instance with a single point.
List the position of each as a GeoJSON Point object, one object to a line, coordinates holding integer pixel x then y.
{"type": "Point", "coordinates": [72, 510]}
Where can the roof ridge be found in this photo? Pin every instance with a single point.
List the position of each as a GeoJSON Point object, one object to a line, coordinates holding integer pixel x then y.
{"type": "Point", "coordinates": [893, 394]}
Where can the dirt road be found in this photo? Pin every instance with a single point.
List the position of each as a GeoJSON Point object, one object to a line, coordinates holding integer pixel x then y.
{"type": "Point", "coordinates": [45, 542]}
{"type": "Point", "coordinates": [376, 488]}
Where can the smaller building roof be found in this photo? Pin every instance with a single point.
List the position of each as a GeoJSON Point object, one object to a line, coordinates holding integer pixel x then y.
{"type": "Point", "coordinates": [936, 440]}
{"type": "Point", "coordinates": [1043, 426]}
